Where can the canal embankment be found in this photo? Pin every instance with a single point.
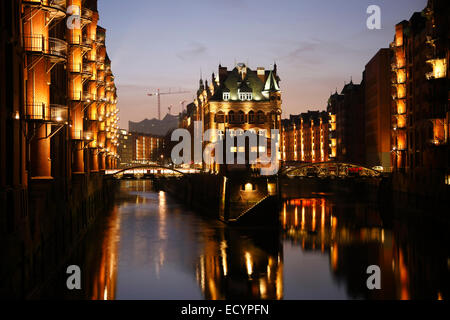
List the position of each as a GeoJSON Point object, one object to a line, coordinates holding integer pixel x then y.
{"type": "Point", "coordinates": [57, 216]}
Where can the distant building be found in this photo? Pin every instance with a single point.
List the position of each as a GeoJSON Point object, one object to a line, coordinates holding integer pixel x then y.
{"type": "Point", "coordinates": [306, 137]}
{"type": "Point", "coordinates": [138, 148]}
{"type": "Point", "coordinates": [155, 126]}
{"type": "Point", "coordinates": [347, 111]}
{"type": "Point", "coordinates": [377, 100]}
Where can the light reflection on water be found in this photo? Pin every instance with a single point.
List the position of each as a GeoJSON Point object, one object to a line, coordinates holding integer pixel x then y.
{"type": "Point", "coordinates": [153, 248]}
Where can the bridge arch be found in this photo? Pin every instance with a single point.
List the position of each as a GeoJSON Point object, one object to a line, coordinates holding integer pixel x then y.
{"type": "Point", "coordinates": [329, 169]}
{"type": "Point", "coordinates": [148, 166]}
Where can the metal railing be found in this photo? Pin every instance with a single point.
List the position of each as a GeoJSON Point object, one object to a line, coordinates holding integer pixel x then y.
{"type": "Point", "coordinates": [80, 40]}
{"type": "Point", "coordinates": [76, 96]}
{"type": "Point", "coordinates": [48, 113]}
{"type": "Point", "coordinates": [75, 68]}
{"type": "Point", "coordinates": [87, 14]}
{"type": "Point", "coordinates": [48, 46]}
{"type": "Point", "coordinates": [82, 135]}
{"type": "Point", "coordinates": [87, 69]}
{"type": "Point", "coordinates": [89, 97]}
{"type": "Point", "coordinates": [56, 4]}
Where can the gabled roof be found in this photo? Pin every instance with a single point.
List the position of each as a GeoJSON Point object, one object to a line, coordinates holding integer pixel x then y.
{"type": "Point", "coordinates": [271, 83]}
{"type": "Point", "coordinates": [244, 87]}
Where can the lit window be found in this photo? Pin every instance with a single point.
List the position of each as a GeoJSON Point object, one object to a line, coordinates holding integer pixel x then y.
{"type": "Point", "coordinates": [447, 179]}
{"type": "Point", "coordinates": [249, 187]}
{"type": "Point", "coordinates": [244, 96]}
{"type": "Point", "coordinates": [233, 149]}
{"type": "Point", "coordinates": [241, 149]}
{"type": "Point", "coordinates": [262, 149]}
{"type": "Point", "coordinates": [226, 96]}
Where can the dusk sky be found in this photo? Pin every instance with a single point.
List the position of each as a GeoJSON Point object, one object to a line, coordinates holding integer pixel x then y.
{"type": "Point", "coordinates": [317, 45]}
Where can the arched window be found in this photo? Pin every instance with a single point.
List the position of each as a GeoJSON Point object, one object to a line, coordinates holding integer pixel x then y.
{"type": "Point", "coordinates": [251, 117]}
{"type": "Point", "coordinates": [241, 117]}
{"type": "Point", "coordinates": [231, 117]}
{"type": "Point", "coordinates": [220, 117]}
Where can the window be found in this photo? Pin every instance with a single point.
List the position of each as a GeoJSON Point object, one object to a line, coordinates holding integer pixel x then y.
{"type": "Point", "coordinates": [245, 96]}
{"type": "Point", "coordinates": [220, 117]}
{"type": "Point", "coordinates": [231, 117]}
{"type": "Point", "coordinates": [251, 117]}
{"type": "Point", "coordinates": [226, 96]}
{"type": "Point", "coordinates": [241, 117]}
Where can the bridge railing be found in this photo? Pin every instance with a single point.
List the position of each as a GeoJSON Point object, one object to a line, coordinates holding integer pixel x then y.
{"type": "Point", "coordinates": [329, 169]}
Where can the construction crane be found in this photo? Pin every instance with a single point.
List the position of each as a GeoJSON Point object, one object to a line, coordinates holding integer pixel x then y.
{"type": "Point", "coordinates": [158, 94]}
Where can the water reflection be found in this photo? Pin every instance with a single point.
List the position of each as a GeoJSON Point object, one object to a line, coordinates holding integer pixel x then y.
{"type": "Point", "coordinates": [150, 247]}
{"type": "Point", "coordinates": [351, 238]}
{"type": "Point", "coordinates": [237, 265]}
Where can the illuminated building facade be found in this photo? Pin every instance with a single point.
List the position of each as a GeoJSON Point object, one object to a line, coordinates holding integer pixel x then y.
{"type": "Point", "coordinates": [347, 123]}
{"type": "Point", "coordinates": [306, 137]}
{"type": "Point", "coordinates": [236, 101]}
{"type": "Point", "coordinates": [139, 148]}
{"type": "Point", "coordinates": [420, 107]}
{"type": "Point", "coordinates": [58, 129]}
{"type": "Point", "coordinates": [377, 99]}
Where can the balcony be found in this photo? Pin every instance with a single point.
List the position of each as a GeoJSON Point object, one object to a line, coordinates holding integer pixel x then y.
{"type": "Point", "coordinates": [86, 16]}
{"type": "Point", "coordinates": [75, 68]}
{"type": "Point", "coordinates": [101, 37]}
{"type": "Point", "coordinates": [83, 41]}
{"type": "Point", "coordinates": [76, 96]}
{"type": "Point", "coordinates": [52, 113]}
{"type": "Point", "coordinates": [54, 49]}
{"type": "Point", "coordinates": [87, 70]}
{"type": "Point", "coordinates": [55, 8]}
{"type": "Point", "coordinates": [82, 135]}
{"type": "Point", "coordinates": [89, 97]}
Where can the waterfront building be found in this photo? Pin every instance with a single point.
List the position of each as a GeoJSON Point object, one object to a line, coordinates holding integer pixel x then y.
{"type": "Point", "coordinates": [420, 105]}
{"type": "Point", "coordinates": [58, 123]}
{"type": "Point", "coordinates": [237, 101]}
{"type": "Point", "coordinates": [306, 137]}
{"type": "Point", "coordinates": [377, 101]}
{"type": "Point", "coordinates": [348, 128]}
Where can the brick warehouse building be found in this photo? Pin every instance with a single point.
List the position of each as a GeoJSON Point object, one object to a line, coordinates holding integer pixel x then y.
{"type": "Point", "coordinates": [238, 100]}
{"type": "Point", "coordinates": [58, 133]}
{"type": "Point", "coordinates": [306, 137]}
{"type": "Point", "coordinates": [420, 105]}
{"type": "Point", "coordinates": [377, 102]}
{"type": "Point", "coordinates": [348, 127]}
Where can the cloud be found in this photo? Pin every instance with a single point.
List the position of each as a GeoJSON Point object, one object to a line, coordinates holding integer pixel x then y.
{"type": "Point", "coordinates": [194, 51]}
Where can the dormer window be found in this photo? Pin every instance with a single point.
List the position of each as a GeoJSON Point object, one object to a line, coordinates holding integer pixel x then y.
{"type": "Point", "coordinates": [226, 96]}
{"type": "Point", "coordinates": [245, 96]}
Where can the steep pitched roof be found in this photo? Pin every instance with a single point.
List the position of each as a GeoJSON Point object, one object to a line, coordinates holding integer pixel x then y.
{"type": "Point", "coordinates": [271, 83]}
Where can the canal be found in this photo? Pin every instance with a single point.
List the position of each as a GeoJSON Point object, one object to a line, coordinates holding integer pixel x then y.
{"type": "Point", "coordinates": [148, 246]}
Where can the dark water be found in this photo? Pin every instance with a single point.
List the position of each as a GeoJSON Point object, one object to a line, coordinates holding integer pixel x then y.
{"type": "Point", "coordinates": [150, 247]}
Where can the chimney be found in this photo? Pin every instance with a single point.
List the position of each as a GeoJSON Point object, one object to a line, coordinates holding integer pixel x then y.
{"type": "Point", "coordinates": [262, 74]}
{"type": "Point", "coordinates": [223, 73]}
